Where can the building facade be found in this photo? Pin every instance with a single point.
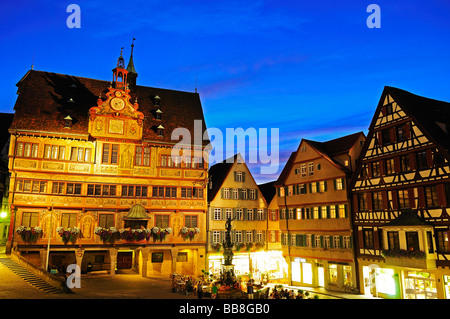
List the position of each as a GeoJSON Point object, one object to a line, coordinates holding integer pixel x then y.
{"type": "Point", "coordinates": [401, 193]}
{"type": "Point", "coordinates": [234, 194]}
{"type": "Point", "coordinates": [313, 203]}
{"type": "Point", "coordinates": [97, 180]}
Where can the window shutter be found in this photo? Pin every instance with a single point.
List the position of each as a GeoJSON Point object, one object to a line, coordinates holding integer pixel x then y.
{"type": "Point", "coordinates": [355, 203]}
{"type": "Point", "coordinates": [421, 195]}
{"type": "Point", "coordinates": [343, 183]}
{"type": "Point", "coordinates": [346, 210]}
{"type": "Point", "coordinates": [313, 242]}
{"type": "Point", "coordinates": [394, 199]}
{"type": "Point", "coordinates": [384, 197]}
{"type": "Point", "coordinates": [350, 242]}
{"type": "Point", "coordinates": [221, 193]}
{"type": "Point", "coordinates": [440, 188]}
{"type": "Point", "coordinates": [243, 176]}
{"type": "Point", "coordinates": [321, 241]}
{"type": "Point", "coordinates": [331, 241]}
{"type": "Point", "coordinates": [397, 166]}
{"type": "Point", "coordinates": [369, 201]}
{"type": "Point", "coordinates": [325, 185]}
{"type": "Point", "coordinates": [235, 176]}
{"type": "Point", "coordinates": [310, 187]}
{"type": "Point", "coordinates": [334, 184]}
{"type": "Point", "coordinates": [375, 239]}
{"type": "Point", "coordinates": [429, 158]}
{"type": "Point", "coordinates": [411, 198]}
{"type": "Point", "coordinates": [412, 161]}
{"type": "Point", "coordinates": [328, 212]}
{"type": "Point", "coordinates": [341, 242]}
{"type": "Point", "coordinates": [244, 213]}
{"type": "Point", "coordinates": [360, 239]}
{"type": "Point", "coordinates": [407, 130]}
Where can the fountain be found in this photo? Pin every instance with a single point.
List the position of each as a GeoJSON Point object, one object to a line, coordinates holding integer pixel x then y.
{"type": "Point", "coordinates": [228, 278]}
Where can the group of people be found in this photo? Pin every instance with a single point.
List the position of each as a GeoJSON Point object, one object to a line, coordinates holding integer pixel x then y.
{"type": "Point", "coordinates": [285, 294]}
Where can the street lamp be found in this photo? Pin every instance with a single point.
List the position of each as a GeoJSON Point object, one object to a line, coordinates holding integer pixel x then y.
{"type": "Point", "coordinates": [3, 215]}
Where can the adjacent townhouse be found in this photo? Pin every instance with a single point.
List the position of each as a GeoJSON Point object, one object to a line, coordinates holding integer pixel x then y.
{"type": "Point", "coordinates": [233, 193]}
{"type": "Point", "coordinates": [314, 219]}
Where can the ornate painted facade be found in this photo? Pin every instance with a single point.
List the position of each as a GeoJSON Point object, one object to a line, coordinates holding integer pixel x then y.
{"type": "Point", "coordinates": [92, 170]}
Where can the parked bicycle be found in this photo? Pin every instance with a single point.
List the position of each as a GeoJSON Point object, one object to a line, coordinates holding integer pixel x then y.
{"type": "Point", "coordinates": [351, 289]}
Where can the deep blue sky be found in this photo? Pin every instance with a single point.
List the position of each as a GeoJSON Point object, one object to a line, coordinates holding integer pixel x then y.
{"type": "Point", "coordinates": [313, 69]}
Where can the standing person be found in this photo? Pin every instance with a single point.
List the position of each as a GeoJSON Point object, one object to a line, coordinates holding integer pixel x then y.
{"type": "Point", "coordinates": [250, 290]}
{"type": "Point", "coordinates": [199, 290]}
{"type": "Point", "coordinates": [214, 291]}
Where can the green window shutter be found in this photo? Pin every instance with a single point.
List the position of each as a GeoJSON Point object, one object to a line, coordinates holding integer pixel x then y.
{"type": "Point", "coordinates": [235, 176]}
{"type": "Point", "coordinates": [346, 210]}
{"type": "Point", "coordinates": [328, 212]}
{"type": "Point", "coordinates": [313, 243]}
{"type": "Point", "coordinates": [310, 187]}
{"type": "Point", "coordinates": [221, 193]}
{"type": "Point", "coordinates": [341, 242]}
{"type": "Point", "coordinates": [321, 241]}
{"type": "Point", "coordinates": [243, 176]}
{"type": "Point", "coordinates": [325, 186]}
{"type": "Point", "coordinates": [343, 183]}
{"type": "Point", "coordinates": [334, 184]}
{"type": "Point", "coordinates": [331, 242]}
{"type": "Point", "coordinates": [244, 213]}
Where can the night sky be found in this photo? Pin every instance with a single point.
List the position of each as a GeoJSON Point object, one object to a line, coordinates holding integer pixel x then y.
{"type": "Point", "coordinates": [312, 69]}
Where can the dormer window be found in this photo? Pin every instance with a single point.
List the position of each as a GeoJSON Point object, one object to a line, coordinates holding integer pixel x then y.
{"type": "Point", "coordinates": [159, 114]}
{"type": "Point", "coordinates": [67, 121]}
{"type": "Point", "coordinates": [160, 130]}
{"type": "Point", "coordinates": [157, 101]}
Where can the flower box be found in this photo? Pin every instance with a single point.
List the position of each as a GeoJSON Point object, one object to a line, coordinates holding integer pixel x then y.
{"type": "Point", "coordinates": [160, 233]}
{"type": "Point", "coordinates": [68, 234]}
{"type": "Point", "coordinates": [29, 234]}
{"type": "Point", "coordinates": [135, 234]}
{"type": "Point", "coordinates": [107, 235]}
{"type": "Point", "coordinates": [408, 258]}
{"type": "Point", "coordinates": [189, 233]}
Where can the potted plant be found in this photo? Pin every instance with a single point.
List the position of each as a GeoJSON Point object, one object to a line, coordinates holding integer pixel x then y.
{"type": "Point", "coordinates": [189, 232]}
{"type": "Point", "coordinates": [29, 234]}
{"type": "Point", "coordinates": [160, 233]}
{"type": "Point", "coordinates": [110, 234]}
{"type": "Point", "coordinates": [135, 234]}
{"type": "Point", "coordinates": [68, 234]}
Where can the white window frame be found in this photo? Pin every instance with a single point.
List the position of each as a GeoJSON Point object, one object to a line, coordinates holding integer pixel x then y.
{"type": "Point", "coordinates": [217, 213]}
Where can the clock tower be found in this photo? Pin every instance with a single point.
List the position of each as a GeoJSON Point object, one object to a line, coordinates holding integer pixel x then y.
{"type": "Point", "coordinates": [116, 117]}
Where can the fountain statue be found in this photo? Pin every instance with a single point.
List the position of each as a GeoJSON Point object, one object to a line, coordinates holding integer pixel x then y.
{"type": "Point", "coordinates": [228, 276]}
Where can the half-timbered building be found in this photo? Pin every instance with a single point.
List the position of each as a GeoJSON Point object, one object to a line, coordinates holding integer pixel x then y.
{"type": "Point", "coordinates": [401, 194]}
{"type": "Point", "coordinates": [94, 181]}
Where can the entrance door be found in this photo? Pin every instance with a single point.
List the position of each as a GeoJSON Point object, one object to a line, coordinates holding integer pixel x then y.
{"type": "Point", "coordinates": [320, 276]}
{"type": "Point", "coordinates": [124, 260]}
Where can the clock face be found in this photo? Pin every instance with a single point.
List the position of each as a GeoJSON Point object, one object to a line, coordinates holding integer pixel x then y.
{"type": "Point", "coordinates": [117, 104]}
{"type": "Point", "coordinates": [118, 93]}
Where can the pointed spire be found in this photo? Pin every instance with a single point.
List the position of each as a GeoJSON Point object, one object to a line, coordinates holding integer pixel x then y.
{"type": "Point", "coordinates": [130, 67]}
{"type": "Point", "coordinates": [132, 74]}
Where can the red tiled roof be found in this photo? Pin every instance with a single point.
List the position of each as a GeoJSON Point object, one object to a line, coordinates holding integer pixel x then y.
{"type": "Point", "coordinates": [44, 101]}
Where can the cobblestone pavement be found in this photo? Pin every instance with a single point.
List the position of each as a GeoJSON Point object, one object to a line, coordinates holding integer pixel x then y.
{"type": "Point", "coordinates": [124, 285]}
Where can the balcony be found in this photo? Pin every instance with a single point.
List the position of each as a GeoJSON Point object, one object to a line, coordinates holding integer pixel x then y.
{"type": "Point", "coordinates": [409, 259]}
